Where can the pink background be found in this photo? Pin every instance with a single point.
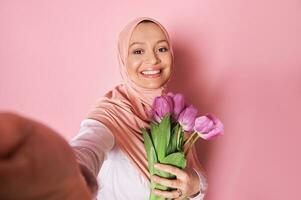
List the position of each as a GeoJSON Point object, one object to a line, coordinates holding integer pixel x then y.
{"type": "Point", "coordinates": [237, 59]}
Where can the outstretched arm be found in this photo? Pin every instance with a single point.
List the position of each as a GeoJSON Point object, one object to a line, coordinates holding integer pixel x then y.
{"type": "Point", "coordinates": [90, 147]}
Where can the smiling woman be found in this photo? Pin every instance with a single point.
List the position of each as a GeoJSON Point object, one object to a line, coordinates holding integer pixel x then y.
{"type": "Point", "coordinates": [109, 146]}
{"type": "Point", "coordinates": [149, 61]}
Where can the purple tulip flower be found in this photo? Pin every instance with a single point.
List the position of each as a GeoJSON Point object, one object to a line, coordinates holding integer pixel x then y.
{"type": "Point", "coordinates": [208, 127]}
{"type": "Point", "coordinates": [162, 105]}
{"type": "Point", "coordinates": [170, 94]}
{"type": "Point", "coordinates": [179, 104]}
{"type": "Point", "coordinates": [187, 118]}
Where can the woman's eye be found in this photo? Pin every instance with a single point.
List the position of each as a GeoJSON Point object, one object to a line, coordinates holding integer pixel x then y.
{"type": "Point", "coordinates": [138, 51]}
{"type": "Point", "coordinates": [163, 49]}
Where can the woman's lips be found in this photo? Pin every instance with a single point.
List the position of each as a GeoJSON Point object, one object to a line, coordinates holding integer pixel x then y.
{"type": "Point", "coordinates": [151, 73]}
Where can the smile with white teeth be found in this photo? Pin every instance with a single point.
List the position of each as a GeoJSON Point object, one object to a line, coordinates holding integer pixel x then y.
{"type": "Point", "coordinates": [151, 72]}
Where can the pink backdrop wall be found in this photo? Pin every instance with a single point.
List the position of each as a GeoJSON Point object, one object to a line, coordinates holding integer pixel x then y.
{"type": "Point", "coordinates": [237, 59]}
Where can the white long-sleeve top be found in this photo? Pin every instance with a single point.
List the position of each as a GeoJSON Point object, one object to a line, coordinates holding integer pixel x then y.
{"type": "Point", "coordinates": [117, 177]}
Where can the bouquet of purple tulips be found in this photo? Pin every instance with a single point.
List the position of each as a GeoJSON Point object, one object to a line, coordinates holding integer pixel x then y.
{"type": "Point", "coordinates": [164, 141]}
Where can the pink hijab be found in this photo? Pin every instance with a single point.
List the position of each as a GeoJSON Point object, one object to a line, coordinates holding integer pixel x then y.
{"type": "Point", "coordinates": [124, 110]}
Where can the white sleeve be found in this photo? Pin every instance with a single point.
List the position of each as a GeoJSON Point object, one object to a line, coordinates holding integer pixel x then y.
{"type": "Point", "coordinates": [91, 144]}
{"type": "Point", "coordinates": [203, 187]}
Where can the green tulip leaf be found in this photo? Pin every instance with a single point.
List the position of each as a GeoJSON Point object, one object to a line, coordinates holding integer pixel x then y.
{"type": "Point", "coordinates": [155, 134]}
{"type": "Point", "coordinates": [176, 159]}
{"type": "Point", "coordinates": [172, 147]}
{"type": "Point", "coordinates": [164, 137]}
{"type": "Point", "coordinates": [180, 137]}
{"type": "Point", "coordinates": [150, 151]}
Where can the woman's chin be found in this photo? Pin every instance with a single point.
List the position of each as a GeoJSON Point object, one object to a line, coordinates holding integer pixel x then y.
{"type": "Point", "coordinates": [153, 85]}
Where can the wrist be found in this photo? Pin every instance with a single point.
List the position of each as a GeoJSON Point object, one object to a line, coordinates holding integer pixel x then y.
{"type": "Point", "coordinates": [202, 186]}
{"type": "Point", "coordinates": [195, 195]}
{"type": "Point", "coordinates": [194, 187]}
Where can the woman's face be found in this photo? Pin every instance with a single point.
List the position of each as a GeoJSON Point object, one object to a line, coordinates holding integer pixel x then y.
{"type": "Point", "coordinates": [149, 62]}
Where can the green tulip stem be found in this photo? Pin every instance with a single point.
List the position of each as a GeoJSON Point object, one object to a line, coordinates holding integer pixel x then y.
{"type": "Point", "coordinates": [195, 139]}
{"type": "Point", "coordinates": [190, 137]}
{"type": "Point", "coordinates": [191, 143]}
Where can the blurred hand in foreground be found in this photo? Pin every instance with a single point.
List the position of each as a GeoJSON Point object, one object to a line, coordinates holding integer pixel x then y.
{"type": "Point", "coordinates": [37, 163]}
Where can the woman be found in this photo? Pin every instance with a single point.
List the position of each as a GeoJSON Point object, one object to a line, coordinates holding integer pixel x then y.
{"type": "Point", "coordinates": [110, 145]}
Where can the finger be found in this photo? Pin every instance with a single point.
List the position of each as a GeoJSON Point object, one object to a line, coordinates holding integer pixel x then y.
{"type": "Point", "coordinates": [181, 174]}
{"type": "Point", "coordinates": [167, 194]}
{"type": "Point", "coordinates": [174, 183]}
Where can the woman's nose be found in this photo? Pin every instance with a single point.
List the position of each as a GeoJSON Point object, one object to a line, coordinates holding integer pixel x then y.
{"type": "Point", "coordinates": [152, 58]}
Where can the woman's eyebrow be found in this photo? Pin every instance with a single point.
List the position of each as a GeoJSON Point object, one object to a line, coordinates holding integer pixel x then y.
{"type": "Point", "coordinates": [159, 41]}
